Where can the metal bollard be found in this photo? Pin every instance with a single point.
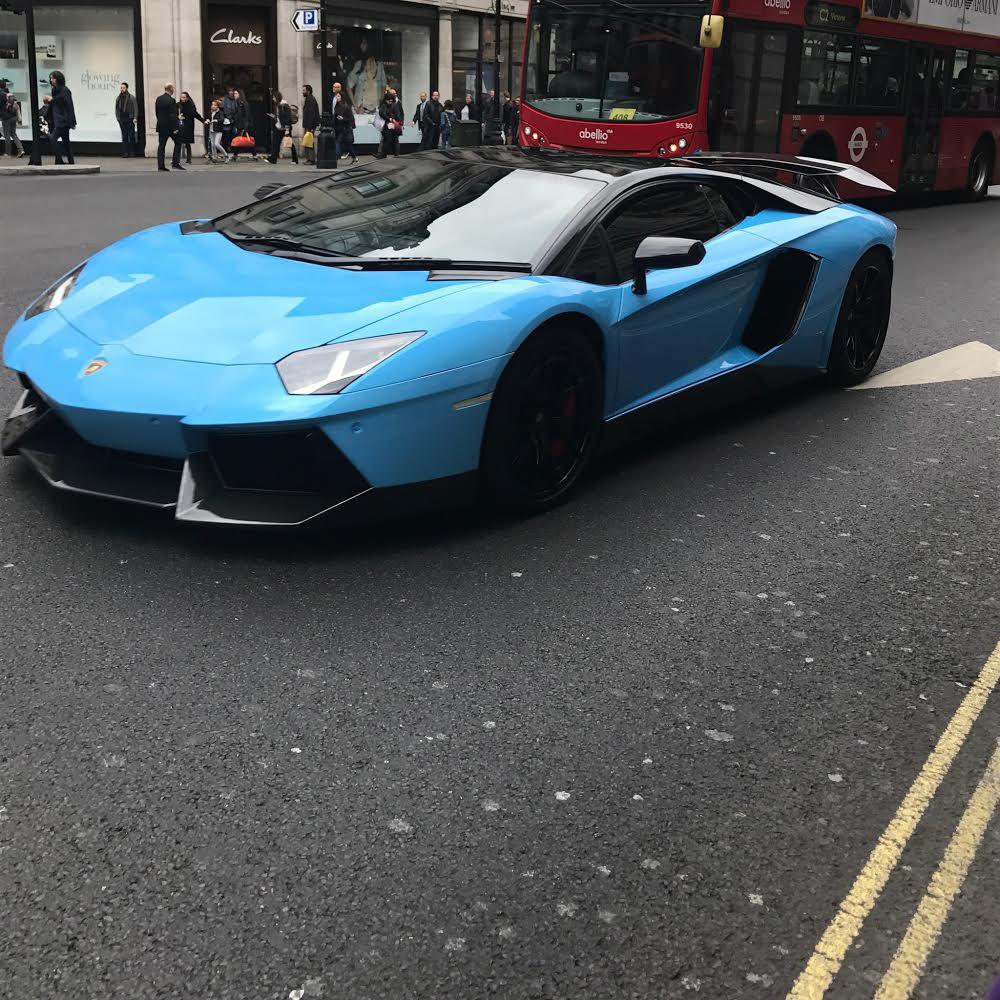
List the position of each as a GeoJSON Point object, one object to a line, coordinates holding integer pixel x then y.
{"type": "Point", "coordinates": [326, 144]}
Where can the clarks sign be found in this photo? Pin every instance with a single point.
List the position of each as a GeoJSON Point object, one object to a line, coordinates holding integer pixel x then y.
{"type": "Point", "coordinates": [236, 36]}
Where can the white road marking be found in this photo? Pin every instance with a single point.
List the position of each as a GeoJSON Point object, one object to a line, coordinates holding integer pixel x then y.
{"type": "Point", "coordinates": [967, 361]}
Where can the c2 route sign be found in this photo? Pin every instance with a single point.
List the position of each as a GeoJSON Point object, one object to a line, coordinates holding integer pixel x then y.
{"type": "Point", "coordinates": [306, 19]}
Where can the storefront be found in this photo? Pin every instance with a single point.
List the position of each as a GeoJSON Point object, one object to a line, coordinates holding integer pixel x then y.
{"type": "Point", "coordinates": [239, 49]}
{"type": "Point", "coordinates": [96, 46]}
{"type": "Point", "coordinates": [473, 68]}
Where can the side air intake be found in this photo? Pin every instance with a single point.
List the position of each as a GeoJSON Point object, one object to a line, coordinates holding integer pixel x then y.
{"type": "Point", "coordinates": [782, 299]}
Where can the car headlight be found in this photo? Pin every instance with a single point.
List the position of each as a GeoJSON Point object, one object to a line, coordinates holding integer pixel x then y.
{"type": "Point", "coordinates": [323, 371]}
{"type": "Point", "coordinates": [56, 294]}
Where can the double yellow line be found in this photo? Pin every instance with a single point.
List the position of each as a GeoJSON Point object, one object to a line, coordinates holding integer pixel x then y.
{"type": "Point", "coordinates": [908, 963]}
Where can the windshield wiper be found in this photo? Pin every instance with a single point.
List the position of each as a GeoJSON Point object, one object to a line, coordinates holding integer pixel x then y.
{"type": "Point", "coordinates": [285, 243]}
{"type": "Point", "coordinates": [335, 258]}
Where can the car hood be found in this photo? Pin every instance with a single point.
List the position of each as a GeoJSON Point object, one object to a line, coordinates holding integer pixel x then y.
{"type": "Point", "coordinates": [199, 297]}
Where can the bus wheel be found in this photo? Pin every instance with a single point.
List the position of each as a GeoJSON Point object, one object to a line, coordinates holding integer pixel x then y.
{"type": "Point", "coordinates": [980, 172]}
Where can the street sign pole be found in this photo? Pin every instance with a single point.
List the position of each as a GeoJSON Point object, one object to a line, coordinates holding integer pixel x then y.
{"type": "Point", "coordinates": [306, 19]}
{"type": "Point", "coordinates": [35, 158]}
{"type": "Point", "coordinates": [496, 67]}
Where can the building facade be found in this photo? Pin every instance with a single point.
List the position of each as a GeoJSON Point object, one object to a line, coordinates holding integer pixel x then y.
{"type": "Point", "coordinates": [206, 46]}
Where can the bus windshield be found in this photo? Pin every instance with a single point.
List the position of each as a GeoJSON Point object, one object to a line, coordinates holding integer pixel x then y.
{"type": "Point", "coordinates": [608, 61]}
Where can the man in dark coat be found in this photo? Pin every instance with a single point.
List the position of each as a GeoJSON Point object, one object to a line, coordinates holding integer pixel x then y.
{"type": "Point", "coordinates": [168, 126]}
{"type": "Point", "coordinates": [430, 131]}
{"type": "Point", "coordinates": [63, 117]}
{"type": "Point", "coordinates": [310, 120]}
{"type": "Point", "coordinates": [126, 112]}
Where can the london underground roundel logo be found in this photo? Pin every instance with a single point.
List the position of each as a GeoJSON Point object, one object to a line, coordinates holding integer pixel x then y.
{"type": "Point", "coordinates": [857, 144]}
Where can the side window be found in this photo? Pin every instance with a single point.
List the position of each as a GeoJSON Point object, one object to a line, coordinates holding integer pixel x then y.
{"type": "Point", "coordinates": [985, 73]}
{"type": "Point", "coordinates": [679, 210]}
{"type": "Point", "coordinates": [881, 71]}
{"type": "Point", "coordinates": [960, 80]}
{"type": "Point", "coordinates": [825, 72]}
{"type": "Point", "coordinates": [724, 213]}
{"type": "Point", "coordinates": [593, 262]}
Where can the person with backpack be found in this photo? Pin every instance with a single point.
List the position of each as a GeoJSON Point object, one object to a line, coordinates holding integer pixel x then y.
{"type": "Point", "coordinates": [447, 123]}
{"type": "Point", "coordinates": [282, 127]}
{"type": "Point", "coordinates": [10, 115]}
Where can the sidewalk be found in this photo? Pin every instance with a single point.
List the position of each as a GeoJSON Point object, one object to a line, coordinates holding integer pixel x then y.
{"type": "Point", "coordinates": [147, 164]}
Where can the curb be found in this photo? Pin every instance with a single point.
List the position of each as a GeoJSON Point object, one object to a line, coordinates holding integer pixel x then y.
{"type": "Point", "coordinates": [66, 168]}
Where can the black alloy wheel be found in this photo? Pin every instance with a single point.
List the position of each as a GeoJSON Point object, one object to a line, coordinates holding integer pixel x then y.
{"type": "Point", "coordinates": [863, 320]}
{"type": "Point", "coordinates": [980, 172]}
{"type": "Point", "coordinates": [544, 422]}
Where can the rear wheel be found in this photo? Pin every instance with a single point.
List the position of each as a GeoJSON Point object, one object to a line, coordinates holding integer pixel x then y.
{"type": "Point", "coordinates": [544, 421]}
{"type": "Point", "coordinates": [863, 320]}
{"type": "Point", "coordinates": [980, 172]}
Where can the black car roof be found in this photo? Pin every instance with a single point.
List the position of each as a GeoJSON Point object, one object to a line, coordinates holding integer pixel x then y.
{"type": "Point", "coordinates": [752, 171]}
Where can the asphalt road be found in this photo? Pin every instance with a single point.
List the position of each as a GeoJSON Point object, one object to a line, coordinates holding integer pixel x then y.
{"type": "Point", "coordinates": [638, 747]}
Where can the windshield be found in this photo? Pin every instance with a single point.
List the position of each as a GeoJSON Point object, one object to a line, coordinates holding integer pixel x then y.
{"type": "Point", "coordinates": [427, 206]}
{"type": "Point", "coordinates": [614, 62]}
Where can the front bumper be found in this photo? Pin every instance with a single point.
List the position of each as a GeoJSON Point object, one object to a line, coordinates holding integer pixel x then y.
{"type": "Point", "coordinates": [279, 479]}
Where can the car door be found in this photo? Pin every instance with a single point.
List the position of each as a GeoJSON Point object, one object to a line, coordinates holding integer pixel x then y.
{"type": "Point", "coordinates": [687, 326]}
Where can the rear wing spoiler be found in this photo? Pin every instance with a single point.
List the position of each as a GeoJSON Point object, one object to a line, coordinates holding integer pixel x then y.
{"type": "Point", "coordinates": [806, 170]}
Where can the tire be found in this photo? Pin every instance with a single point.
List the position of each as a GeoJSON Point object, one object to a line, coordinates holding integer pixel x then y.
{"type": "Point", "coordinates": [544, 422]}
{"type": "Point", "coordinates": [862, 321]}
{"type": "Point", "coordinates": [980, 173]}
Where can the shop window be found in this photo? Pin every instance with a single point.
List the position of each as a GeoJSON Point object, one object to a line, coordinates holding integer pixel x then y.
{"type": "Point", "coordinates": [94, 48]}
{"type": "Point", "coordinates": [14, 66]}
{"type": "Point", "coordinates": [985, 76]}
{"type": "Point", "coordinates": [825, 72]}
{"type": "Point", "coordinates": [881, 71]}
{"type": "Point", "coordinates": [367, 58]}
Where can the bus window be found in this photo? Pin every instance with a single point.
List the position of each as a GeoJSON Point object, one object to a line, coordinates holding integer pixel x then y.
{"type": "Point", "coordinates": [960, 80]}
{"type": "Point", "coordinates": [825, 76]}
{"type": "Point", "coordinates": [881, 71]}
{"type": "Point", "coordinates": [985, 74]}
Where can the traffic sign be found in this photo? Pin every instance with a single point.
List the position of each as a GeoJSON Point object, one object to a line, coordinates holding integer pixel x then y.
{"type": "Point", "coordinates": [306, 19]}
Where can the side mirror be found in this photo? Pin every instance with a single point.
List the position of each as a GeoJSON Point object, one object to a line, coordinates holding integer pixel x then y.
{"type": "Point", "coordinates": [660, 252]}
{"type": "Point", "coordinates": [711, 31]}
{"type": "Point", "coordinates": [266, 190]}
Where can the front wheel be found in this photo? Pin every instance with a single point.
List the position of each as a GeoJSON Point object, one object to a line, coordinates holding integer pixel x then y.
{"type": "Point", "coordinates": [544, 422]}
{"type": "Point", "coordinates": [863, 320]}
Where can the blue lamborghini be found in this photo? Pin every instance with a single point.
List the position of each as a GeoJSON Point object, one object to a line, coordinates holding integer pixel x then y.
{"type": "Point", "coordinates": [452, 317]}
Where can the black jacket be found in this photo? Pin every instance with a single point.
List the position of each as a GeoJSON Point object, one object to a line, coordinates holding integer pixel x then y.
{"type": "Point", "coordinates": [432, 114]}
{"type": "Point", "coordinates": [473, 112]}
{"type": "Point", "coordinates": [310, 114]}
{"type": "Point", "coordinates": [188, 112]}
{"type": "Point", "coordinates": [63, 113]}
{"type": "Point", "coordinates": [126, 107]}
{"type": "Point", "coordinates": [343, 118]}
{"type": "Point", "coordinates": [167, 121]}
{"type": "Point", "coordinates": [391, 112]}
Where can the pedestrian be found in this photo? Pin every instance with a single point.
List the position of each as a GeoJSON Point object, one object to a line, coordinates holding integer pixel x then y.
{"type": "Point", "coordinates": [469, 112]}
{"type": "Point", "coordinates": [216, 151]}
{"type": "Point", "coordinates": [343, 127]}
{"type": "Point", "coordinates": [281, 129]}
{"type": "Point", "coordinates": [188, 112]}
{"type": "Point", "coordinates": [310, 122]}
{"type": "Point", "coordinates": [392, 118]}
{"type": "Point", "coordinates": [244, 120]}
{"type": "Point", "coordinates": [431, 133]}
{"type": "Point", "coordinates": [126, 113]}
{"type": "Point", "coordinates": [10, 118]}
{"type": "Point", "coordinates": [512, 121]}
{"type": "Point", "coordinates": [167, 127]}
{"type": "Point", "coordinates": [418, 115]}
{"type": "Point", "coordinates": [63, 117]}
{"type": "Point", "coordinates": [230, 109]}
{"type": "Point", "coordinates": [447, 123]}
{"type": "Point", "coordinates": [239, 117]}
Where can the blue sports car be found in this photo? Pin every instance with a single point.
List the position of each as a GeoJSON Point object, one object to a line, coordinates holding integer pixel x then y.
{"type": "Point", "coordinates": [453, 317]}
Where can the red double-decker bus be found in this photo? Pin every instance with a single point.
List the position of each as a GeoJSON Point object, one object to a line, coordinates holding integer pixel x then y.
{"type": "Point", "coordinates": [907, 89]}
